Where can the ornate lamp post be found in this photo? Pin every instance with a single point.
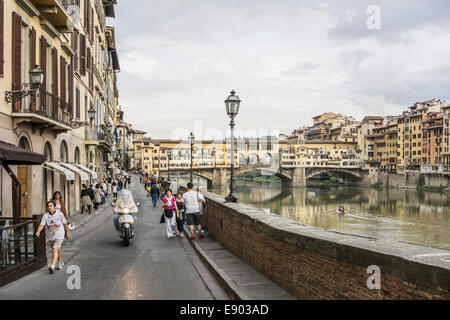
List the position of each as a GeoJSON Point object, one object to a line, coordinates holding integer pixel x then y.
{"type": "Point", "coordinates": [36, 78]}
{"type": "Point", "coordinates": [91, 114]}
{"type": "Point", "coordinates": [232, 107]}
{"type": "Point", "coordinates": [191, 141]}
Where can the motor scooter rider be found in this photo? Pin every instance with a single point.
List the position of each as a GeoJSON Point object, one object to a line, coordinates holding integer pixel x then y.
{"type": "Point", "coordinates": [124, 200]}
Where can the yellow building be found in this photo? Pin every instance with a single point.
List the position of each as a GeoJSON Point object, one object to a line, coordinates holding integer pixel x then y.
{"type": "Point", "coordinates": [326, 153]}
{"type": "Point", "coordinates": [383, 144]}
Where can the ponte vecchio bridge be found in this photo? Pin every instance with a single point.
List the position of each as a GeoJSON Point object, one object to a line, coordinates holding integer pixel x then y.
{"type": "Point", "coordinates": [211, 161]}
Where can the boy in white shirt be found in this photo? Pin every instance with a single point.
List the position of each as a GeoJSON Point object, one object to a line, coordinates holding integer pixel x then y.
{"type": "Point", "coordinates": [54, 222]}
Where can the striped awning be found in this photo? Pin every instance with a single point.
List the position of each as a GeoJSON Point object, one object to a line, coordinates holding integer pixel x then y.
{"type": "Point", "coordinates": [70, 175]}
{"type": "Point", "coordinates": [83, 175]}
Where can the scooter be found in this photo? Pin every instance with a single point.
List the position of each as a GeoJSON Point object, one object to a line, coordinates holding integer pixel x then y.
{"type": "Point", "coordinates": [127, 224]}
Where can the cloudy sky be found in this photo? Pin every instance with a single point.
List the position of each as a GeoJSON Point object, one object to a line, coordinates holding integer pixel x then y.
{"type": "Point", "coordinates": [288, 60]}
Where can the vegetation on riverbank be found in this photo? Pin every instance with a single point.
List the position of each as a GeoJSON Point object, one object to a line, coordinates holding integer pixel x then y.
{"type": "Point", "coordinates": [325, 183]}
{"type": "Point", "coordinates": [377, 185]}
{"type": "Point", "coordinates": [253, 177]}
{"type": "Point", "coordinates": [432, 188]}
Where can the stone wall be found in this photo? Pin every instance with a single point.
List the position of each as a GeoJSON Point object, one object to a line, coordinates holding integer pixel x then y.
{"type": "Point", "coordinates": [313, 263]}
{"type": "Point", "coordinates": [414, 180]}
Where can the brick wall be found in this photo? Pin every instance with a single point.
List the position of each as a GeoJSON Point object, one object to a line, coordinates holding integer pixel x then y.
{"type": "Point", "coordinates": [313, 263]}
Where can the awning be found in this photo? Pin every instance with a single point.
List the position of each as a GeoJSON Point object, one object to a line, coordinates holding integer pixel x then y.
{"type": "Point", "coordinates": [11, 154]}
{"type": "Point", "coordinates": [84, 176]}
{"type": "Point", "coordinates": [57, 167]}
{"type": "Point", "coordinates": [91, 172]}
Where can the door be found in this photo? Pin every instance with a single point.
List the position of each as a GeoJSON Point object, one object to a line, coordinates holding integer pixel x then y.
{"type": "Point", "coordinates": [22, 175]}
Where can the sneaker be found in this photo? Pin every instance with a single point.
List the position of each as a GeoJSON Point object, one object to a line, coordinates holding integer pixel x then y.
{"type": "Point", "coordinates": [59, 265]}
{"type": "Point", "coordinates": [51, 269]}
{"type": "Point", "coordinates": [192, 238]}
{"type": "Point", "coordinates": [201, 237]}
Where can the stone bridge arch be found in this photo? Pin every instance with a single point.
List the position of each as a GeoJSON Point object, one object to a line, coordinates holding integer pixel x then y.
{"type": "Point", "coordinates": [266, 159]}
{"type": "Point", "coordinates": [286, 179]}
{"type": "Point", "coordinates": [208, 176]}
{"type": "Point", "coordinates": [253, 159]}
{"type": "Point", "coordinates": [349, 174]}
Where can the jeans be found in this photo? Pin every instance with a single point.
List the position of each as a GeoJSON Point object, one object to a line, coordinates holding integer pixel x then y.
{"type": "Point", "coordinates": [180, 223]}
{"type": "Point", "coordinates": [154, 198]}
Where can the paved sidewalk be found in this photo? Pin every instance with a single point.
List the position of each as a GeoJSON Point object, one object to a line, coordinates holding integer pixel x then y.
{"type": "Point", "coordinates": [80, 219]}
{"type": "Point", "coordinates": [151, 268]}
{"type": "Point", "coordinates": [238, 278]}
{"type": "Point", "coordinates": [77, 221]}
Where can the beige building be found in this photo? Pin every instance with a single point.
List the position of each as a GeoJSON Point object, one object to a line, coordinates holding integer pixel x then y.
{"type": "Point", "coordinates": [74, 56]}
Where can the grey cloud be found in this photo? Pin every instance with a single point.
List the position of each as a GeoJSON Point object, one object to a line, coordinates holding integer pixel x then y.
{"type": "Point", "coordinates": [287, 59]}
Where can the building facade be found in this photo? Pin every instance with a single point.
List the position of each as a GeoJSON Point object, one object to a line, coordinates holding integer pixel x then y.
{"type": "Point", "coordinates": [67, 40]}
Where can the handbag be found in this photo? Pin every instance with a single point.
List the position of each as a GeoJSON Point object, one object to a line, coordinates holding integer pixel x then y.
{"type": "Point", "coordinates": [168, 213]}
{"type": "Point", "coordinates": [162, 220]}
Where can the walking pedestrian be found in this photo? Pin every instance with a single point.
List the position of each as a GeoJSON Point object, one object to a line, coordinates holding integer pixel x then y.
{"type": "Point", "coordinates": [154, 192]}
{"type": "Point", "coordinates": [191, 199]}
{"type": "Point", "coordinates": [92, 195]}
{"type": "Point", "coordinates": [59, 202]}
{"type": "Point", "coordinates": [201, 204]}
{"type": "Point", "coordinates": [174, 186]}
{"type": "Point", "coordinates": [182, 216]}
{"type": "Point", "coordinates": [97, 197]}
{"type": "Point", "coordinates": [85, 199]}
{"type": "Point", "coordinates": [115, 190]}
{"type": "Point", "coordinates": [55, 224]}
{"type": "Point", "coordinates": [170, 209]}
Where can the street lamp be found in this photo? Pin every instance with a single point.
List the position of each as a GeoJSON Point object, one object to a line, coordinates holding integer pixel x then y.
{"type": "Point", "coordinates": [36, 78]}
{"type": "Point", "coordinates": [191, 141]}
{"type": "Point", "coordinates": [91, 113]}
{"type": "Point", "coordinates": [232, 107]}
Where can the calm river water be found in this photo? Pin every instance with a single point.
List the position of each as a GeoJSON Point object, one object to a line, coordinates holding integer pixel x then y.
{"type": "Point", "coordinates": [397, 214]}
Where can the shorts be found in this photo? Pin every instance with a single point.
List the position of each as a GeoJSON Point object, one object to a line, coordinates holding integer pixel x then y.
{"type": "Point", "coordinates": [56, 244]}
{"type": "Point", "coordinates": [193, 219]}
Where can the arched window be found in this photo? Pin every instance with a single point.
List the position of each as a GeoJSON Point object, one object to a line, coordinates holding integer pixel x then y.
{"type": "Point", "coordinates": [77, 155]}
{"type": "Point", "coordinates": [48, 152]}
{"type": "Point", "coordinates": [24, 144]}
{"type": "Point", "coordinates": [63, 150]}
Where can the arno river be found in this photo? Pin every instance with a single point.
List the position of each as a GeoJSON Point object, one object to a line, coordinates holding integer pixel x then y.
{"type": "Point", "coordinates": [398, 214]}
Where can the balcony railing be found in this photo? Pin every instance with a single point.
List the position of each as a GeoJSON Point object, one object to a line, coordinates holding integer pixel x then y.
{"type": "Point", "coordinates": [22, 253]}
{"type": "Point", "coordinates": [43, 106]}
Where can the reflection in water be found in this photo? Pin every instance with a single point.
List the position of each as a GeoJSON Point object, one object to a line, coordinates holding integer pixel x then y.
{"type": "Point", "coordinates": [396, 214]}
